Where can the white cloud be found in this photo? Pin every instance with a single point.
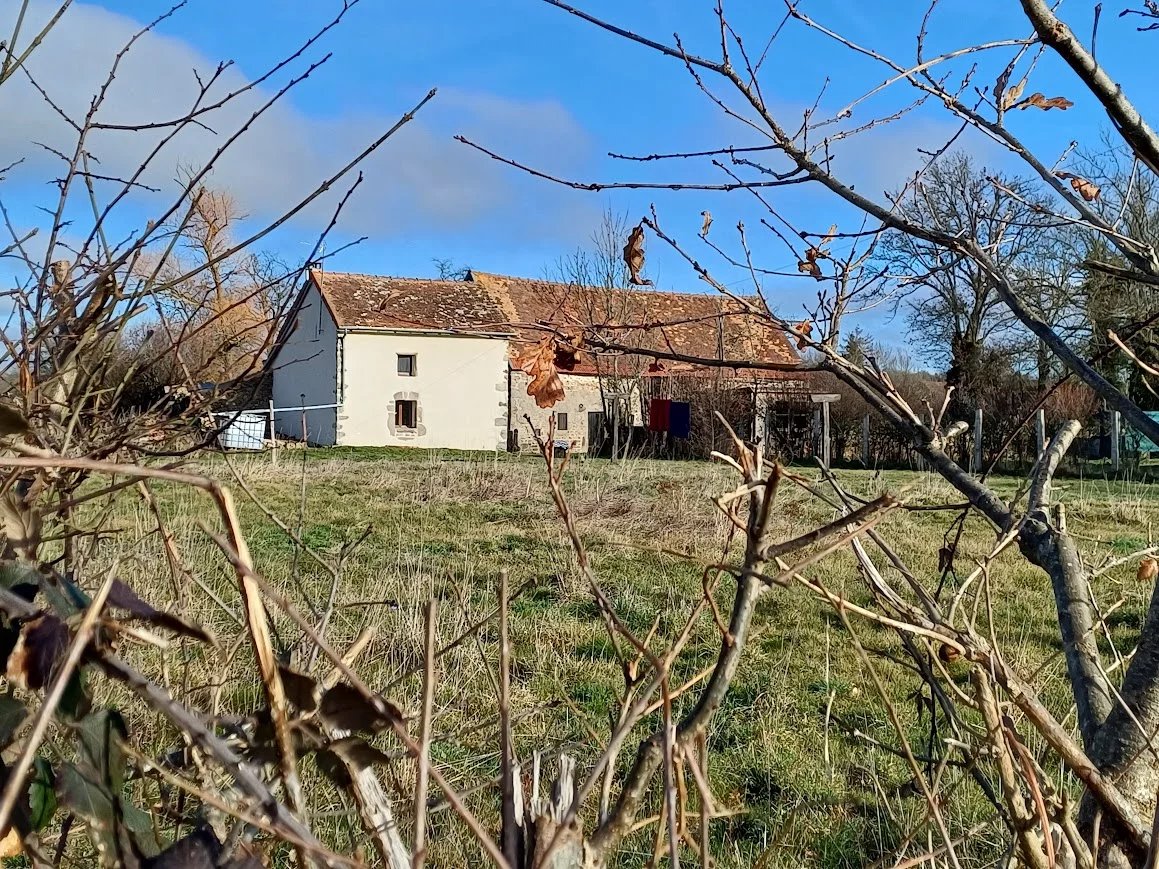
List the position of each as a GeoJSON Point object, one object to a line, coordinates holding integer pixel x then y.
{"type": "Point", "coordinates": [420, 179]}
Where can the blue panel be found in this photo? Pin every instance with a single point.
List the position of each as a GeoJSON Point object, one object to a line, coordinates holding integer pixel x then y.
{"type": "Point", "coordinates": [1139, 442]}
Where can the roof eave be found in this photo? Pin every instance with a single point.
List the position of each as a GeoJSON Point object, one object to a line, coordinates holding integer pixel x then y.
{"type": "Point", "coordinates": [441, 333]}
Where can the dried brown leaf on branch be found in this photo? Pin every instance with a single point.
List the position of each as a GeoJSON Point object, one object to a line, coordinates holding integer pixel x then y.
{"type": "Point", "coordinates": [301, 689]}
{"type": "Point", "coordinates": [634, 255]}
{"type": "Point", "coordinates": [566, 353]}
{"type": "Point", "coordinates": [1041, 101]}
{"type": "Point", "coordinates": [60, 271]}
{"type": "Point", "coordinates": [39, 648]}
{"type": "Point", "coordinates": [20, 523]}
{"type": "Point", "coordinates": [1148, 570]}
{"type": "Point", "coordinates": [344, 707]}
{"type": "Point", "coordinates": [1084, 187]}
{"type": "Point", "coordinates": [344, 757]}
{"type": "Point", "coordinates": [707, 215]}
{"type": "Point", "coordinates": [808, 266]}
{"type": "Point", "coordinates": [945, 559]}
{"type": "Point", "coordinates": [201, 849]}
{"type": "Point", "coordinates": [11, 845]}
{"type": "Point", "coordinates": [122, 597]}
{"type": "Point", "coordinates": [948, 653]}
{"type": "Point", "coordinates": [803, 329]}
{"type": "Point", "coordinates": [1013, 95]}
{"type": "Point", "coordinates": [26, 381]}
{"type": "Point", "coordinates": [542, 362]}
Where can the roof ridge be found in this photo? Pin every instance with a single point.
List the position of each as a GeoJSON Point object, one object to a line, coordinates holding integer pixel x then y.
{"type": "Point", "coordinates": [380, 301]}
{"type": "Point", "coordinates": [643, 290]}
{"type": "Point", "coordinates": [325, 273]}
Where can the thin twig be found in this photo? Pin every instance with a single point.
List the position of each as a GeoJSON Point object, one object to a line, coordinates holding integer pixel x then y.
{"type": "Point", "coordinates": [424, 756]}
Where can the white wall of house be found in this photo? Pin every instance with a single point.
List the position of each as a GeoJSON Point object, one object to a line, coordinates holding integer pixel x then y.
{"type": "Point", "coordinates": [306, 373]}
{"type": "Point", "coordinates": [459, 386]}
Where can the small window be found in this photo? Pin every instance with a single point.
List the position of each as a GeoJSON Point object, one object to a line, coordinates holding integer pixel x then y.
{"type": "Point", "coordinates": [561, 422]}
{"type": "Point", "coordinates": [406, 414]}
{"type": "Point", "coordinates": [406, 365]}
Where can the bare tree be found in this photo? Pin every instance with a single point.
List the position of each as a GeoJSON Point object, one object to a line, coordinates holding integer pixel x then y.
{"type": "Point", "coordinates": [1108, 754]}
{"type": "Point", "coordinates": [218, 323]}
{"type": "Point", "coordinates": [448, 270]}
{"type": "Point", "coordinates": [599, 279]}
{"type": "Point", "coordinates": [955, 311]}
{"type": "Point", "coordinates": [599, 263]}
{"type": "Point", "coordinates": [1113, 303]}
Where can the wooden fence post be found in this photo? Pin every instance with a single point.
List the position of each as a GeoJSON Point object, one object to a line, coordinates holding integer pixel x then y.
{"type": "Point", "coordinates": [826, 447]}
{"type": "Point", "coordinates": [273, 436]}
{"type": "Point", "coordinates": [816, 431]}
{"type": "Point", "coordinates": [1115, 441]}
{"type": "Point", "coordinates": [977, 469]}
{"type": "Point", "coordinates": [865, 440]}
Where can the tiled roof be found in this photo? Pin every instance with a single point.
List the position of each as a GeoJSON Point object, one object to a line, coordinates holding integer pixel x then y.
{"type": "Point", "coordinates": [368, 301]}
{"type": "Point", "coordinates": [685, 324]}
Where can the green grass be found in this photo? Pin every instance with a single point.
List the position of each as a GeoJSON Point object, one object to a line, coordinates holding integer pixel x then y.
{"type": "Point", "coordinates": [444, 525]}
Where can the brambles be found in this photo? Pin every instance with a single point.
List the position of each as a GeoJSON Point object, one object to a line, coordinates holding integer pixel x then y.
{"type": "Point", "coordinates": [104, 297]}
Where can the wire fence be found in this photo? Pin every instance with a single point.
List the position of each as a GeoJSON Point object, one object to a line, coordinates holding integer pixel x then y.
{"type": "Point", "coordinates": [255, 429]}
{"type": "Point", "coordinates": [1107, 446]}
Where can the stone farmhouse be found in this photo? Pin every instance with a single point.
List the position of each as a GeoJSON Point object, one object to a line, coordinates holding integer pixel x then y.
{"type": "Point", "coordinates": [427, 363]}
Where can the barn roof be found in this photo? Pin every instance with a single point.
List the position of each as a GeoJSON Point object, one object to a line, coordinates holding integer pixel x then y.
{"type": "Point", "coordinates": [698, 326]}
{"type": "Point", "coordinates": [374, 302]}
{"type": "Point", "coordinates": [693, 325]}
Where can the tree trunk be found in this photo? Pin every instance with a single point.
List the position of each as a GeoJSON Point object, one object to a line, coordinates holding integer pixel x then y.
{"type": "Point", "coordinates": [1042, 365]}
{"type": "Point", "coordinates": [1121, 747]}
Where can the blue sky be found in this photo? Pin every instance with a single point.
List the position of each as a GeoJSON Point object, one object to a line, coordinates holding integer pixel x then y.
{"type": "Point", "coordinates": [532, 82]}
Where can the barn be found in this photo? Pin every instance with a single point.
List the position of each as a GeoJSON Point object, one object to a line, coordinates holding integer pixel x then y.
{"type": "Point", "coordinates": [388, 361]}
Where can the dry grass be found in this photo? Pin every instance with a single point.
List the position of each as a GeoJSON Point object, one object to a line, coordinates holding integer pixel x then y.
{"type": "Point", "coordinates": [443, 527]}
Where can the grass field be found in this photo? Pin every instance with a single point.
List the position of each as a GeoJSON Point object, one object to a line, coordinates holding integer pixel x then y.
{"type": "Point", "coordinates": [443, 526]}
